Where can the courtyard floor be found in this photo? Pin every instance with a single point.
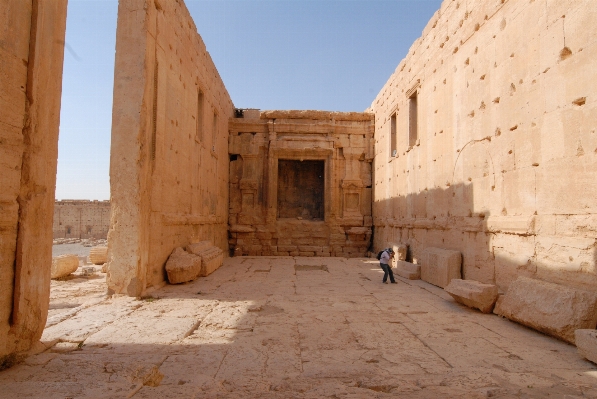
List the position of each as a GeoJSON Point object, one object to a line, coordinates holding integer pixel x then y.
{"type": "Point", "coordinates": [271, 327]}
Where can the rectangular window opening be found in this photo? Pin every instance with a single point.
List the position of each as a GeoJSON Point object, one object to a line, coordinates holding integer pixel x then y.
{"type": "Point", "coordinates": [200, 115]}
{"type": "Point", "coordinates": [393, 148]}
{"type": "Point", "coordinates": [214, 131]}
{"type": "Point", "coordinates": [301, 189]}
{"type": "Point", "coordinates": [412, 120]}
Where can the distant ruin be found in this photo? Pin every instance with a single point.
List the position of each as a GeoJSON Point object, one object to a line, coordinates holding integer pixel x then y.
{"type": "Point", "coordinates": [483, 141]}
{"type": "Point", "coordinates": [81, 219]}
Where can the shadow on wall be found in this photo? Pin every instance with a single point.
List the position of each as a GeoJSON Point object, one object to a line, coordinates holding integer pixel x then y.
{"type": "Point", "coordinates": [496, 247]}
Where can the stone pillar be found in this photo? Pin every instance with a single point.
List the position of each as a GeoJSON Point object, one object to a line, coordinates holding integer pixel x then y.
{"type": "Point", "coordinates": [31, 55]}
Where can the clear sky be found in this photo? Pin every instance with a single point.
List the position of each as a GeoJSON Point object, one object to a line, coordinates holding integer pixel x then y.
{"type": "Point", "coordinates": [283, 54]}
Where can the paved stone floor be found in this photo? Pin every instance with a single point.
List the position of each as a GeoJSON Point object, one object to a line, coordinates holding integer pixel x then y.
{"type": "Point", "coordinates": [291, 328]}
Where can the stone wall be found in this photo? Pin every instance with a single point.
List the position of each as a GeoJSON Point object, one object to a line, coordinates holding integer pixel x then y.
{"type": "Point", "coordinates": [326, 208]}
{"type": "Point", "coordinates": [169, 149]}
{"type": "Point", "coordinates": [81, 219]}
{"type": "Point", "coordinates": [31, 57]}
{"type": "Point", "coordinates": [503, 163]}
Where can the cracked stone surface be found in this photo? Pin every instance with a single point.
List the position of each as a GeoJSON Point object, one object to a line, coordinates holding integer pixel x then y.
{"type": "Point", "coordinates": [290, 328]}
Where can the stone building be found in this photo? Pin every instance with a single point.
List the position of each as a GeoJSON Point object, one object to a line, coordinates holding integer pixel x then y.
{"type": "Point", "coordinates": [300, 183]}
{"type": "Point", "coordinates": [482, 141]}
{"type": "Point", "coordinates": [81, 219]}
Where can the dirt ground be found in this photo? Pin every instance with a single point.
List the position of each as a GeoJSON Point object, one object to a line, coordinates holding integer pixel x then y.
{"type": "Point", "coordinates": [289, 328]}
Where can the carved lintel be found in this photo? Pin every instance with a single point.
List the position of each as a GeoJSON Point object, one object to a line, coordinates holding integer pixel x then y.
{"type": "Point", "coordinates": [248, 184]}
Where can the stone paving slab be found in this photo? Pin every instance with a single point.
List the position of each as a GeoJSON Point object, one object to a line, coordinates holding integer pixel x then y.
{"type": "Point", "coordinates": [265, 328]}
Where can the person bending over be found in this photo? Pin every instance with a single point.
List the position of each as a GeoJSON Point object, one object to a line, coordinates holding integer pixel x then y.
{"type": "Point", "coordinates": [384, 262]}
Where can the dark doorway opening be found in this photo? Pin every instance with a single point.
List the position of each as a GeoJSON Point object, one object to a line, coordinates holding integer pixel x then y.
{"type": "Point", "coordinates": [300, 189]}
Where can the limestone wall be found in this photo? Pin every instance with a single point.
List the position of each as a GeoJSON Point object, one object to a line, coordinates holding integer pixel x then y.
{"type": "Point", "coordinates": [81, 219]}
{"type": "Point", "coordinates": [300, 183]}
{"type": "Point", "coordinates": [504, 165]}
{"type": "Point", "coordinates": [31, 57]}
{"type": "Point", "coordinates": [169, 149]}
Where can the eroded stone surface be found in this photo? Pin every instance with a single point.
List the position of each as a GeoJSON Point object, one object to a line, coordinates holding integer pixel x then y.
{"type": "Point", "coordinates": [98, 255]}
{"type": "Point", "coordinates": [586, 342]}
{"type": "Point", "coordinates": [293, 327]}
{"type": "Point", "coordinates": [473, 294]}
{"type": "Point", "coordinates": [551, 308]}
{"type": "Point", "coordinates": [439, 266]}
{"type": "Point", "coordinates": [182, 266]}
{"type": "Point", "coordinates": [64, 265]}
{"type": "Point", "coordinates": [408, 270]}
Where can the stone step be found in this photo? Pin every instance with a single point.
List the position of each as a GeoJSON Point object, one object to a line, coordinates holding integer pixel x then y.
{"type": "Point", "coordinates": [408, 270]}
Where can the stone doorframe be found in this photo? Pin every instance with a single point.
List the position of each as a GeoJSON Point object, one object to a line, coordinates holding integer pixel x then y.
{"type": "Point", "coordinates": [298, 154]}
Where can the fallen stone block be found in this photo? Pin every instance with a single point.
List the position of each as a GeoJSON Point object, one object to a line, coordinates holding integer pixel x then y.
{"type": "Point", "coordinates": [440, 266]}
{"type": "Point", "coordinates": [408, 270]}
{"type": "Point", "coordinates": [586, 343]}
{"type": "Point", "coordinates": [553, 309]}
{"type": "Point", "coordinates": [64, 265]}
{"type": "Point", "coordinates": [182, 266]}
{"type": "Point", "coordinates": [473, 294]}
{"type": "Point", "coordinates": [98, 255]}
{"type": "Point", "coordinates": [212, 257]}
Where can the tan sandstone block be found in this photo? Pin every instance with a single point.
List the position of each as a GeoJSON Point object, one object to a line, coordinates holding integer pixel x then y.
{"type": "Point", "coordinates": [408, 270]}
{"type": "Point", "coordinates": [586, 343]}
{"type": "Point", "coordinates": [553, 309]}
{"type": "Point", "coordinates": [440, 266]}
{"type": "Point", "coordinates": [182, 266]}
{"type": "Point", "coordinates": [211, 256]}
{"type": "Point", "coordinates": [473, 294]}
{"type": "Point", "coordinates": [98, 255]}
{"type": "Point", "coordinates": [64, 265]}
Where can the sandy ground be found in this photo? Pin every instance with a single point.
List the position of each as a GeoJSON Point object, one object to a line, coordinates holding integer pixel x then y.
{"type": "Point", "coordinates": [290, 328]}
{"type": "Point", "coordinates": [77, 249]}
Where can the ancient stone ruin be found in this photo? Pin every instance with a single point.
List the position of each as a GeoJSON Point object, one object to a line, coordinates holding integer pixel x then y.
{"type": "Point", "coordinates": [81, 219]}
{"type": "Point", "coordinates": [479, 155]}
{"type": "Point", "coordinates": [300, 183]}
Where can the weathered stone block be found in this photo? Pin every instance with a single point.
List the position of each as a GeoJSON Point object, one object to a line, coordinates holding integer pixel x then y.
{"type": "Point", "coordinates": [211, 256]}
{"type": "Point", "coordinates": [553, 309]}
{"type": "Point", "coordinates": [440, 266]}
{"type": "Point", "coordinates": [586, 343]}
{"type": "Point", "coordinates": [98, 255]}
{"type": "Point", "coordinates": [64, 265]}
{"type": "Point", "coordinates": [473, 294]}
{"type": "Point", "coordinates": [309, 248]}
{"type": "Point", "coordinates": [287, 248]}
{"type": "Point", "coordinates": [408, 270]}
{"type": "Point", "coordinates": [182, 266]}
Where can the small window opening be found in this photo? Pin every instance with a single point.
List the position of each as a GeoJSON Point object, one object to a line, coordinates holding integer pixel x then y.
{"type": "Point", "coordinates": [214, 131]}
{"type": "Point", "coordinates": [412, 120]}
{"type": "Point", "coordinates": [200, 115]}
{"type": "Point", "coordinates": [393, 149]}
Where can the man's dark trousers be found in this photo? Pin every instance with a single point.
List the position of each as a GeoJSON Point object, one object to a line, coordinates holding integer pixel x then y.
{"type": "Point", "coordinates": [387, 270]}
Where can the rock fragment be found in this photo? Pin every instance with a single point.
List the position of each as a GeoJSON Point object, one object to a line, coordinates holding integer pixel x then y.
{"type": "Point", "coordinates": [439, 266]}
{"type": "Point", "coordinates": [98, 255]}
{"type": "Point", "coordinates": [408, 270]}
{"type": "Point", "coordinates": [182, 266]}
{"type": "Point", "coordinates": [64, 265]}
{"type": "Point", "coordinates": [551, 308]}
{"type": "Point", "coordinates": [586, 343]}
{"type": "Point", "coordinates": [473, 294]}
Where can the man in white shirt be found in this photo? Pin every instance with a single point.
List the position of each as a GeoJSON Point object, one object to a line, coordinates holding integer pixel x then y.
{"type": "Point", "coordinates": [384, 261]}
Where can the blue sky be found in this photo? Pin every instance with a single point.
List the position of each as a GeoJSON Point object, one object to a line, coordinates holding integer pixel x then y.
{"type": "Point", "coordinates": [284, 54]}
